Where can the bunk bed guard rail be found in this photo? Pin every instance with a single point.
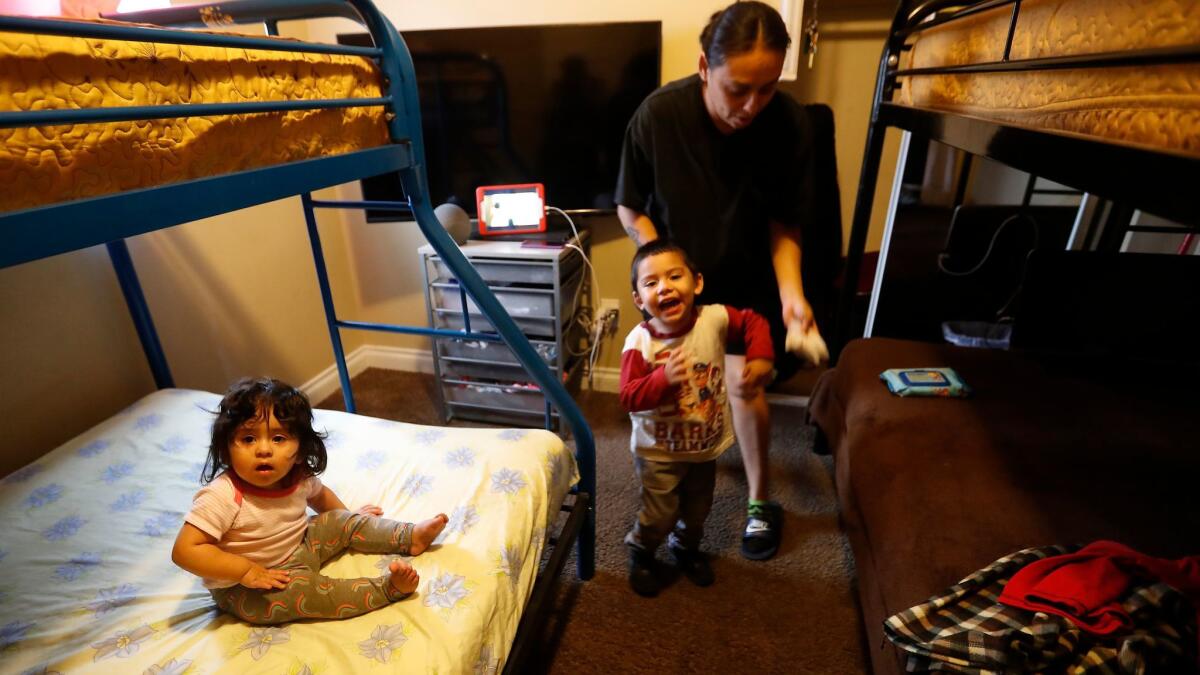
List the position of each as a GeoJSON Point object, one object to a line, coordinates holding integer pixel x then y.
{"type": "Point", "coordinates": [42, 231]}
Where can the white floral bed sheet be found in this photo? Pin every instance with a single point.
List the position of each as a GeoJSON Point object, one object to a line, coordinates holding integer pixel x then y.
{"type": "Point", "coordinates": [87, 584]}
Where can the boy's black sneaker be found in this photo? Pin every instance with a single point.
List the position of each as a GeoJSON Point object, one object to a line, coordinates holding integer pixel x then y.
{"type": "Point", "coordinates": [642, 578]}
{"type": "Point", "coordinates": [694, 565]}
{"type": "Point", "coordinates": [764, 529]}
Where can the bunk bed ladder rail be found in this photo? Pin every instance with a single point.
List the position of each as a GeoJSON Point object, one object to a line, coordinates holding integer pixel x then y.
{"type": "Point", "coordinates": [861, 221]}
{"type": "Point", "coordinates": [470, 284]}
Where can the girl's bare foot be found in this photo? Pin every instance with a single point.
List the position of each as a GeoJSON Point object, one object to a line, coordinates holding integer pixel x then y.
{"type": "Point", "coordinates": [425, 532]}
{"type": "Point", "coordinates": [404, 577]}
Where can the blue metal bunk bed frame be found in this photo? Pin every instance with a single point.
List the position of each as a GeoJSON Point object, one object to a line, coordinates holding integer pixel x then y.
{"type": "Point", "coordinates": [44, 231]}
{"type": "Point", "coordinates": [1160, 181]}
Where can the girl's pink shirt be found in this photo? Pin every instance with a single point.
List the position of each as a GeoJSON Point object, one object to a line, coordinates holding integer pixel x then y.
{"type": "Point", "coordinates": [264, 526]}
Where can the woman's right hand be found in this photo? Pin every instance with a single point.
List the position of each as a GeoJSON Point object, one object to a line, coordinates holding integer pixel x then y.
{"type": "Point", "coordinates": [797, 310]}
{"type": "Point", "coordinates": [260, 577]}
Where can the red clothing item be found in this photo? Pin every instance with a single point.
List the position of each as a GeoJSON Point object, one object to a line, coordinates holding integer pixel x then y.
{"type": "Point", "coordinates": [644, 385]}
{"type": "Point", "coordinates": [1088, 586]}
{"type": "Point", "coordinates": [690, 421]}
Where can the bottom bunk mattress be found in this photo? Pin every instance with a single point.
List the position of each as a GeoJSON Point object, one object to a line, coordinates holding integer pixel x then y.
{"type": "Point", "coordinates": [88, 585]}
{"type": "Point", "coordinates": [1044, 452]}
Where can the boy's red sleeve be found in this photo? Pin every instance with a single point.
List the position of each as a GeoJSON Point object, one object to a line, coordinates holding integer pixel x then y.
{"type": "Point", "coordinates": [643, 386]}
{"type": "Point", "coordinates": [748, 327]}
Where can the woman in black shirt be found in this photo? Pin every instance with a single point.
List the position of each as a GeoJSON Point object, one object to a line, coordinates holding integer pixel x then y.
{"type": "Point", "coordinates": [722, 164]}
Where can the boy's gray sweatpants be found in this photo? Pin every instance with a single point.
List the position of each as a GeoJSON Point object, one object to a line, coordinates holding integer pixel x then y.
{"type": "Point", "coordinates": [676, 499]}
{"type": "Point", "coordinates": [311, 595]}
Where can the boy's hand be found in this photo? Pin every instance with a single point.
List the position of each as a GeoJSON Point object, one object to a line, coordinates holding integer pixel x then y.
{"type": "Point", "coordinates": [260, 577]}
{"type": "Point", "coordinates": [370, 510]}
{"type": "Point", "coordinates": [677, 366]}
{"type": "Point", "coordinates": [756, 375]}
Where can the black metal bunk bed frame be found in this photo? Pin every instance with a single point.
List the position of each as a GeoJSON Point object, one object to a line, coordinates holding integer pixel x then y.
{"type": "Point", "coordinates": [1160, 181]}
{"type": "Point", "coordinates": [39, 232]}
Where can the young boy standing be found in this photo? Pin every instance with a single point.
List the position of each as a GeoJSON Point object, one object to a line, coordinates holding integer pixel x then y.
{"type": "Point", "coordinates": [673, 386]}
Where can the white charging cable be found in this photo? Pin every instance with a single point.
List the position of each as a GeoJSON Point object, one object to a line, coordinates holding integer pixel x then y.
{"type": "Point", "coordinates": [595, 325]}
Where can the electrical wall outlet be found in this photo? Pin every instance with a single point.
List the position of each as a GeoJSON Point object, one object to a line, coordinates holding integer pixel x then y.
{"type": "Point", "coordinates": [607, 315]}
{"type": "Point", "coordinates": [607, 304]}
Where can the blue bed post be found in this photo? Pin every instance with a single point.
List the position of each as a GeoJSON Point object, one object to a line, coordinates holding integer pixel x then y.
{"type": "Point", "coordinates": [335, 336]}
{"type": "Point", "coordinates": [405, 124]}
{"type": "Point", "coordinates": [139, 311]}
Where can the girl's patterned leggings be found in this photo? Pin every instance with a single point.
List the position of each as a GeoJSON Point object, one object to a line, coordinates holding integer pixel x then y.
{"type": "Point", "coordinates": [311, 595]}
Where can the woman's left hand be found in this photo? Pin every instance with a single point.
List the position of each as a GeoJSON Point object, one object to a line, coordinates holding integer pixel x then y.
{"type": "Point", "coordinates": [370, 510]}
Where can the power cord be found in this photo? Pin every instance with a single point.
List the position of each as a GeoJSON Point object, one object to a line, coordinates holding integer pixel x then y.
{"type": "Point", "coordinates": [584, 317]}
{"type": "Point", "coordinates": [1002, 313]}
{"type": "Point", "coordinates": [595, 326]}
{"type": "Point", "coordinates": [941, 259]}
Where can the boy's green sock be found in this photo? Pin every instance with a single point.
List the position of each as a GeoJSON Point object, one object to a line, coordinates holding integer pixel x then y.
{"type": "Point", "coordinates": [758, 506]}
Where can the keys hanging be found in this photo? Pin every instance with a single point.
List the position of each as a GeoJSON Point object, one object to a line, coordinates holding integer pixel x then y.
{"type": "Point", "coordinates": [808, 41]}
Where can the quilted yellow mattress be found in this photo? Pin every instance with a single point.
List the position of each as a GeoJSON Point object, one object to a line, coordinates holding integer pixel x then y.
{"type": "Point", "coordinates": [66, 162]}
{"type": "Point", "coordinates": [1150, 105]}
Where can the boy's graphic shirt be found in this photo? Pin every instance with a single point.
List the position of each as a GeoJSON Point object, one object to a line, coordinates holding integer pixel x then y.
{"type": "Point", "coordinates": [690, 421]}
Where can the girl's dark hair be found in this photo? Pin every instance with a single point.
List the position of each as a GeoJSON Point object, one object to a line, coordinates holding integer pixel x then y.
{"type": "Point", "coordinates": [248, 399]}
{"type": "Point", "coordinates": [655, 248]}
{"type": "Point", "coordinates": [738, 28]}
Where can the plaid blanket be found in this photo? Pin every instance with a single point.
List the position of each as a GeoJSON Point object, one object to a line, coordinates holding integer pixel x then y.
{"type": "Point", "coordinates": [966, 630]}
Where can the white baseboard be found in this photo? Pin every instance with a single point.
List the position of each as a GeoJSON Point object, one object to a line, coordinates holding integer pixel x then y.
{"type": "Point", "coordinates": [414, 361]}
{"type": "Point", "coordinates": [369, 356]}
{"type": "Point", "coordinates": [421, 361]}
{"type": "Point", "coordinates": [607, 380]}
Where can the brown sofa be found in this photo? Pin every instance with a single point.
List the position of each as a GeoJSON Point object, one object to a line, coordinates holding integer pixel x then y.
{"type": "Point", "coordinates": [1046, 451]}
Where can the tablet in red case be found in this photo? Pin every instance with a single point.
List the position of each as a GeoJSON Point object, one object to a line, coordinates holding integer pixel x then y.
{"type": "Point", "coordinates": [511, 209]}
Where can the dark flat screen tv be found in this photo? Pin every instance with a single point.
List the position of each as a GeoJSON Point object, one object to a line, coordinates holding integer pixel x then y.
{"type": "Point", "coordinates": [526, 104]}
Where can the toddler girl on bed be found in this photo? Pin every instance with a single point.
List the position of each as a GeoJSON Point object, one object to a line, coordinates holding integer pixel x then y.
{"type": "Point", "coordinates": [249, 536]}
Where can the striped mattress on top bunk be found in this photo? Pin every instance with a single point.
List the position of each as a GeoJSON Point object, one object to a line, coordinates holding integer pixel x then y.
{"type": "Point", "coordinates": [49, 164]}
{"type": "Point", "coordinates": [1153, 104]}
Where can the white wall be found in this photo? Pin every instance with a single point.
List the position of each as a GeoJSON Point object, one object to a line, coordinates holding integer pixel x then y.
{"type": "Point", "coordinates": [236, 294]}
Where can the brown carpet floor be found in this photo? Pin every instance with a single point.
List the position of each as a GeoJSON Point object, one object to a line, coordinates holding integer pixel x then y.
{"type": "Point", "coordinates": [795, 613]}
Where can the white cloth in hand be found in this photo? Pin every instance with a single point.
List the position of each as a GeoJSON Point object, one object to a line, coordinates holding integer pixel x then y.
{"type": "Point", "coordinates": [808, 345]}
